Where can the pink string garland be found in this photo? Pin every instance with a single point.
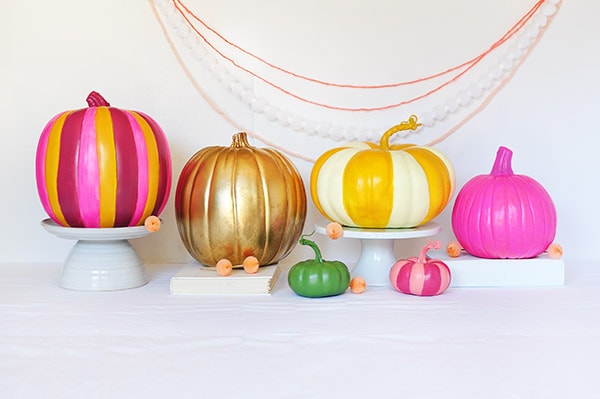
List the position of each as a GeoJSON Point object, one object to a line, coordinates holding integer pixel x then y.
{"type": "Point", "coordinates": [442, 137]}
{"type": "Point", "coordinates": [186, 13]}
{"type": "Point", "coordinates": [211, 102]}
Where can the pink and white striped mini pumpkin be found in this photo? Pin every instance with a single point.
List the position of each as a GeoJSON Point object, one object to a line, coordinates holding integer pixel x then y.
{"type": "Point", "coordinates": [102, 166]}
{"type": "Point", "coordinates": [421, 275]}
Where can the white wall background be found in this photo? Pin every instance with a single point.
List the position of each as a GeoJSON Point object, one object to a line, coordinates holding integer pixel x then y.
{"type": "Point", "coordinates": [53, 53]}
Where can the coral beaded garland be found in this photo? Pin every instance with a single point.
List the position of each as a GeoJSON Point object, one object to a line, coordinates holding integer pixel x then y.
{"type": "Point", "coordinates": [102, 166]}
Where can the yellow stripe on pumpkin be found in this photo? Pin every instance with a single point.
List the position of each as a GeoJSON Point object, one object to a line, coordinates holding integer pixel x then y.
{"type": "Point", "coordinates": [153, 164]}
{"type": "Point", "coordinates": [397, 147]}
{"type": "Point", "coordinates": [51, 167]}
{"type": "Point", "coordinates": [449, 169]}
{"type": "Point", "coordinates": [440, 186]}
{"type": "Point", "coordinates": [107, 166]}
{"type": "Point", "coordinates": [368, 180]}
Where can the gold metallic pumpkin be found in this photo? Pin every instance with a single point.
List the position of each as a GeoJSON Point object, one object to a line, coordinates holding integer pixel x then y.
{"type": "Point", "coordinates": [234, 202]}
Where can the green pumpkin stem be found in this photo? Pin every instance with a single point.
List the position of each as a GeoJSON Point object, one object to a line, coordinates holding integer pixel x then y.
{"type": "Point", "coordinates": [503, 163]}
{"type": "Point", "coordinates": [410, 124]}
{"type": "Point", "coordinates": [427, 247]}
{"type": "Point", "coordinates": [94, 99]}
{"type": "Point", "coordinates": [313, 245]}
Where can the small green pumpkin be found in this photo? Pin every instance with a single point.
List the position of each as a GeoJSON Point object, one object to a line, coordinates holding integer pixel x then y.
{"type": "Point", "coordinates": [316, 278]}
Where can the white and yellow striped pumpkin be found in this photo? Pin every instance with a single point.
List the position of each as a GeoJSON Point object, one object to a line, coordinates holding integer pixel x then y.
{"type": "Point", "coordinates": [371, 185]}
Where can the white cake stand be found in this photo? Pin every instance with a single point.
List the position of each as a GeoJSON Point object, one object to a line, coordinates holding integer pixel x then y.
{"type": "Point", "coordinates": [102, 259]}
{"type": "Point", "coordinates": [377, 249]}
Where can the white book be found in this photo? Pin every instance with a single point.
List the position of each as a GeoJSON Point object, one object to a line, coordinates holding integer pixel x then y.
{"type": "Point", "coordinates": [196, 279]}
{"type": "Point", "coordinates": [470, 271]}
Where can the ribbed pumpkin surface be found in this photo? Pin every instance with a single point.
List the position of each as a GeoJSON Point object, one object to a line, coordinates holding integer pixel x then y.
{"type": "Point", "coordinates": [237, 201]}
{"type": "Point", "coordinates": [420, 275]}
{"type": "Point", "coordinates": [102, 167]}
{"type": "Point", "coordinates": [367, 186]}
{"type": "Point", "coordinates": [504, 215]}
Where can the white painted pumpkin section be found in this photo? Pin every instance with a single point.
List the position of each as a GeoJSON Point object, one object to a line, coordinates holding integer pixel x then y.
{"type": "Point", "coordinates": [330, 184]}
{"type": "Point", "coordinates": [411, 193]}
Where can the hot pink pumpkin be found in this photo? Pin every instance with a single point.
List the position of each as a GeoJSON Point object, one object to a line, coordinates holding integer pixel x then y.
{"type": "Point", "coordinates": [421, 275]}
{"type": "Point", "coordinates": [503, 215]}
{"type": "Point", "coordinates": [102, 166]}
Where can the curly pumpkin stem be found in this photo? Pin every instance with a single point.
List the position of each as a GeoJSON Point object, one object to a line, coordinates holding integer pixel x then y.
{"type": "Point", "coordinates": [94, 99]}
{"type": "Point", "coordinates": [410, 124]}
{"type": "Point", "coordinates": [313, 245]}
{"type": "Point", "coordinates": [427, 247]}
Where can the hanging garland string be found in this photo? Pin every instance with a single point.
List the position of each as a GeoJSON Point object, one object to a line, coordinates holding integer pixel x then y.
{"type": "Point", "coordinates": [538, 20]}
{"type": "Point", "coordinates": [212, 103]}
{"type": "Point", "coordinates": [186, 13]}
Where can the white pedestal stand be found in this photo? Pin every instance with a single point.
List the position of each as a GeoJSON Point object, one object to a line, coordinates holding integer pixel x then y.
{"type": "Point", "coordinates": [377, 249]}
{"type": "Point", "coordinates": [102, 259]}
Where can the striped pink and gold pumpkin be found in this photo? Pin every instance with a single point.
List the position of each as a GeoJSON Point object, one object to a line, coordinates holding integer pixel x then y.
{"type": "Point", "coordinates": [421, 275]}
{"type": "Point", "coordinates": [102, 166]}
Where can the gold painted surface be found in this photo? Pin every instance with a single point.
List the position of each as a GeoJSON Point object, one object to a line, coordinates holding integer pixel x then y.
{"type": "Point", "coordinates": [237, 201]}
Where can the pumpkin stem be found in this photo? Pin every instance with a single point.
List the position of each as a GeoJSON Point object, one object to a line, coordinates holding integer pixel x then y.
{"type": "Point", "coordinates": [94, 99]}
{"type": "Point", "coordinates": [313, 245]}
{"type": "Point", "coordinates": [240, 140]}
{"type": "Point", "coordinates": [410, 124]}
{"type": "Point", "coordinates": [427, 247]}
{"type": "Point", "coordinates": [502, 164]}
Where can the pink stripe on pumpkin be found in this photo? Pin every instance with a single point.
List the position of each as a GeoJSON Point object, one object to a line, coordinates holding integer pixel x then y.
{"type": "Point", "coordinates": [164, 185]}
{"type": "Point", "coordinates": [404, 277]}
{"type": "Point", "coordinates": [127, 173]}
{"type": "Point", "coordinates": [393, 272]}
{"type": "Point", "coordinates": [143, 178]}
{"type": "Point", "coordinates": [68, 165]}
{"type": "Point", "coordinates": [89, 172]}
{"type": "Point", "coordinates": [40, 168]}
{"type": "Point", "coordinates": [416, 280]}
{"type": "Point", "coordinates": [432, 279]}
{"type": "Point", "coordinates": [445, 273]}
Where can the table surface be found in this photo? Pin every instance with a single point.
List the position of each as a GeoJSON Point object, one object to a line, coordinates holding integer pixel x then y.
{"type": "Point", "coordinates": [146, 343]}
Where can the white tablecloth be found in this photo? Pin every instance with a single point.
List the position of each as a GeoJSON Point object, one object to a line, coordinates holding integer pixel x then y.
{"type": "Point", "coordinates": [146, 343]}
